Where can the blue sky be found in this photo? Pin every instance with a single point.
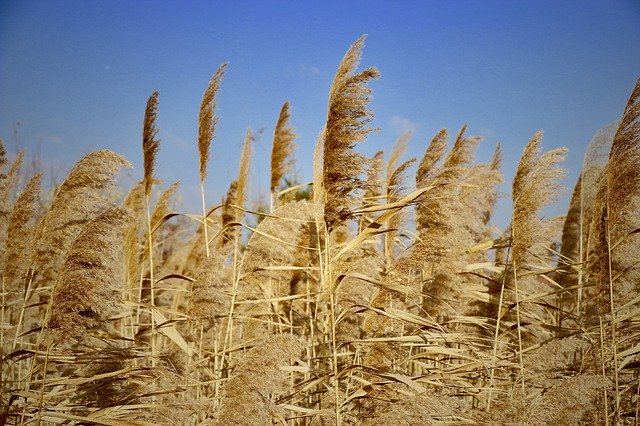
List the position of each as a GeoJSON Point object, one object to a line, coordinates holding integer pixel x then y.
{"type": "Point", "coordinates": [77, 74]}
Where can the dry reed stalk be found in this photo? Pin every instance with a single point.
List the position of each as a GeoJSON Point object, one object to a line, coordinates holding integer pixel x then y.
{"type": "Point", "coordinates": [396, 186]}
{"type": "Point", "coordinates": [478, 196]}
{"type": "Point", "coordinates": [162, 209]}
{"type": "Point", "coordinates": [374, 184]}
{"type": "Point", "coordinates": [427, 170]}
{"type": "Point", "coordinates": [347, 117]}
{"type": "Point", "coordinates": [267, 267]}
{"type": "Point", "coordinates": [84, 194]}
{"type": "Point", "coordinates": [571, 402]}
{"type": "Point", "coordinates": [9, 180]}
{"type": "Point", "coordinates": [134, 202]}
{"type": "Point", "coordinates": [207, 122]}
{"type": "Point", "coordinates": [20, 235]}
{"type": "Point", "coordinates": [3, 159]}
{"type": "Point", "coordinates": [88, 289]}
{"type": "Point", "coordinates": [150, 143]}
{"type": "Point", "coordinates": [423, 410]}
{"type": "Point", "coordinates": [210, 294]}
{"type": "Point", "coordinates": [373, 188]}
{"type": "Point", "coordinates": [440, 252]}
{"type": "Point", "coordinates": [240, 198]}
{"type": "Point", "coordinates": [399, 149]}
{"type": "Point", "coordinates": [318, 177]}
{"type": "Point", "coordinates": [593, 168]}
{"type": "Point", "coordinates": [283, 146]}
{"type": "Point", "coordinates": [611, 266]}
{"type": "Point", "coordinates": [228, 217]}
{"type": "Point", "coordinates": [150, 147]}
{"type": "Point", "coordinates": [570, 253]}
{"type": "Point", "coordinates": [8, 184]}
{"type": "Point", "coordinates": [432, 214]}
{"type": "Point", "coordinates": [535, 186]}
{"type": "Point", "coordinates": [255, 380]}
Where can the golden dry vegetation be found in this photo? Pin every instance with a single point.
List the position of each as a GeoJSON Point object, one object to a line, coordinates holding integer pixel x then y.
{"type": "Point", "coordinates": [360, 298]}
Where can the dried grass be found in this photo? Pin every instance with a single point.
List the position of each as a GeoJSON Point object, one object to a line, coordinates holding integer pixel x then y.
{"type": "Point", "coordinates": [143, 314]}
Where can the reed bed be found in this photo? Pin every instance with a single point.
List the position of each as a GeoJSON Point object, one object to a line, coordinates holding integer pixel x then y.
{"type": "Point", "coordinates": [367, 296]}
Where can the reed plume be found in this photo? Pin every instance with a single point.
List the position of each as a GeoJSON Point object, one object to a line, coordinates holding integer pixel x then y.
{"type": "Point", "coordinates": [274, 244]}
{"type": "Point", "coordinates": [3, 159]}
{"type": "Point", "coordinates": [206, 130]}
{"type": "Point", "coordinates": [20, 235]}
{"type": "Point", "coordinates": [229, 213]}
{"type": "Point", "coordinates": [496, 166]}
{"type": "Point", "coordinates": [478, 196]}
{"type": "Point", "coordinates": [84, 194]}
{"type": "Point", "coordinates": [283, 146]}
{"type": "Point", "coordinates": [571, 239]}
{"type": "Point", "coordinates": [426, 172]}
{"type": "Point", "coordinates": [243, 175]}
{"type": "Point", "coordinates": [611, 266]}
{"type": "Point", "coordinates": [9, 180]}
{"type": "Point", "coordinates": [210, 291]}
{"type": "Point", "coordinates": [373, 185]}
{"type": "Point", "coordinates": [255, 380]}
{"type": "Point", "coordinates": [8, 184]}
{"type": "Point", "coordinates": [208, 120]}
{"type": "Point", "coordinates": [150, 144]}
{"type": "Point", "coordinates": [162, 208]}
{"type": "Point", "coordinates": [535, 186]}
{"type": "Point", "coordinates": [347, 117]}
{"type": "Point", "coordinates": [444, 239]}
{"type": "Point", "coordinates": [396, 186]}
{"type": "Point", "coordinates": [90, 283]}
{"type": "Point", "coordinates": [134, 202]}
{"type": "Point", "coordinates": [318, 176]}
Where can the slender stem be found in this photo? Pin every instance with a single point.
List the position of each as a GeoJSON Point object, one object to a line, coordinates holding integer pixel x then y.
{"type": "Point", "coordinates": [604, 374]}
{"type": "Point", "coordinates": [614, 340]}
{"type": "Point", "coordinates": [152, 298]}
{"type": "Point", "coordinates": [228, 337]}
{"type": "Point", "coordinates": [495, 340]}
{"type": "Point", "coordinates": [515, 284]}
{"type": "Point", "coordinates": [204, 219]}
{"type": "Point", "coordinates": [2, 321]}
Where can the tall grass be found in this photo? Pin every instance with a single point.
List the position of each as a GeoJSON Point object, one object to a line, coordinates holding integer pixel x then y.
{"type": "Point", "coordinates": [367, 300]}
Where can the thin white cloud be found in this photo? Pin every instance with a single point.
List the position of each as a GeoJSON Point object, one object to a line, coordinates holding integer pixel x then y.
{"type": "Point", "coordinates": [402, 124]}
{"type": "Point", "coordinates": [487, 133]}
{"type": "Point", "coordinates": [309, 70]}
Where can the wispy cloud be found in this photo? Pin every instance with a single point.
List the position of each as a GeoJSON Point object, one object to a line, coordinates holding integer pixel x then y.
{"type": "Point", "coordinates": [488, 133]}
{"type": "Point", "coordinates": [402, 124]}
{"type": "Point", "coordinates": [309, 70]}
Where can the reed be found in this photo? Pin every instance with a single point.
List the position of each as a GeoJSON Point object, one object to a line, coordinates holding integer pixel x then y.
{"type": "Point", "coordinates": [367, 302]}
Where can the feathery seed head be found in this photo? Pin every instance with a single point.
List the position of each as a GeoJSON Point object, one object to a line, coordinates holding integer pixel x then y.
{"type": "Point", "coordinates": [208, 120]}
{"type": "Point", "coordinates": [89, 286]}
{"type": "Point", "coordinates": [347, 117]}
{"type": "Point", "coordinates": [150, 144]}
{"type": "Point", "coordinates": [283, 146]}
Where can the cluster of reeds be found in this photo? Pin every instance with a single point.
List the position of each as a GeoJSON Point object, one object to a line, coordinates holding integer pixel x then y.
{"type": "Point", "coordinates": [359, 298]}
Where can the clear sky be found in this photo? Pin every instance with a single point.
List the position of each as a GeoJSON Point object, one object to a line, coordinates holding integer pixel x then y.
{"type": "Point", "coordinates": [76, 75]}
